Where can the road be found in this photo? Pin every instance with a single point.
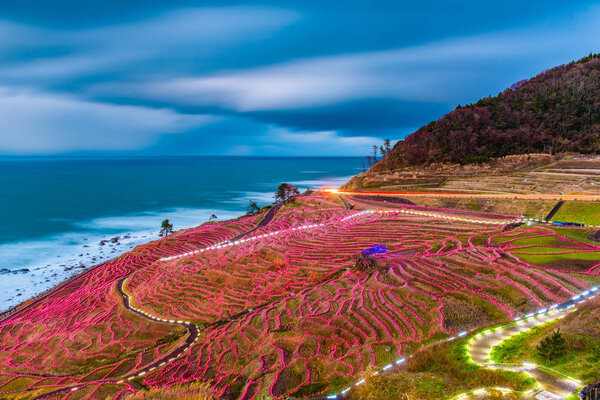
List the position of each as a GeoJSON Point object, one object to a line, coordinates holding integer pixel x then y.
{"type": "Point", "coordinates": [193, 331]}
{"type": "Point", "coordinates": [479, 348]}
{"type": "Point", "coordinates": [496, 196]}
{"type": "Point", "coordinates": [193, 334]}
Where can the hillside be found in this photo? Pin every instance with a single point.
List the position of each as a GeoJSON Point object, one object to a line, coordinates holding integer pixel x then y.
{"type": "Point", "coordinates": [557, 111]}
{"type": "Point", "coordinates": [245, 310]}
{"type": "Point", "coordinates": [581, 330]}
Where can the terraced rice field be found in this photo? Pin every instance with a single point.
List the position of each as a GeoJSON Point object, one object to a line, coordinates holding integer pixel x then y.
{"type": "Point", "coordinates": [284, 311]}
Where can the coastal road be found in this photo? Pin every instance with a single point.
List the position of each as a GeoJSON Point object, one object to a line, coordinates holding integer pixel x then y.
{"type": "Point", "coordinates": [193, 331]}
{"type": "Point", "coordinates": [265, 221]}
{"type": "Point", "coordinates": [491, 196]}
{"type": "Point", "coordinates": [345, 202]}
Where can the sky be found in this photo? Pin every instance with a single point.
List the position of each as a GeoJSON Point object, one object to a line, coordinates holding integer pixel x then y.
{"type": "Point", "coordinates": [285, 78]}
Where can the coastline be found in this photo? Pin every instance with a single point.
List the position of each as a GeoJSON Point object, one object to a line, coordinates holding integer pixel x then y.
{"type": "Point", "coordinates": [51, 239]}
{"type": "Point", "coordinates": [78, 253]}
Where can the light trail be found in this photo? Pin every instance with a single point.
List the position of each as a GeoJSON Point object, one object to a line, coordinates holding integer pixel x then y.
{"type": "Point", "coordinates": [511, 196]}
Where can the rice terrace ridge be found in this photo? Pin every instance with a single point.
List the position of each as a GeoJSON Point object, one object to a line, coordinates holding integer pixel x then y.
{"type": "Point", "coordinates": [458, 262]}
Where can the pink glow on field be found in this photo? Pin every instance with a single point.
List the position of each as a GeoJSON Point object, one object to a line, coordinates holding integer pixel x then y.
{"type": "Point", "coordinates": [283, 308]}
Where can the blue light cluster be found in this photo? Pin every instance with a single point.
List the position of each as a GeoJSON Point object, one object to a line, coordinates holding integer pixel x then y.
{"type": "Point", "coordinates": [375, 249]}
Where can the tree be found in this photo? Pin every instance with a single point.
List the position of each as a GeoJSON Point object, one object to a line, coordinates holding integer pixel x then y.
{"type": "Point", "coordinates": [212, 217]}
{"type": "Point", "coordinates": [375, 148]}
{"type": "Point", "coordinates": [253, 208]}
{"type": "Point", "coordinates": [369, 161]}
{"type": "Point", "coordinates": [552, 346]}
{"type": "Point", "coordinates": [166, 228]}
{"type": "Point", "coordinates": [285, 191]}
{"type": "Point", "coordinates": [387, 145]}
{"type": "Point", "coordinates": [363, 166]}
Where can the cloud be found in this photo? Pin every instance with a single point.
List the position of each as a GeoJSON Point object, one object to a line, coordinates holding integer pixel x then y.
{"type": "Point", "coordinates": [279, 140]}
{"type": "Point", "coordinates": [34, 123]}
{"type": "Point", "coordinates": [181, 34]}
{"type": "Point", "coordinates": [361, 117]}
{"type": "Point", "coordinates": [319, 79]}
{"type": "Point", "coordinates": [437, 72]}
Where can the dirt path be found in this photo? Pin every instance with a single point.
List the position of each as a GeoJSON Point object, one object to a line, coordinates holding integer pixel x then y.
{"type": "Point", "coordinates": [193, 331]}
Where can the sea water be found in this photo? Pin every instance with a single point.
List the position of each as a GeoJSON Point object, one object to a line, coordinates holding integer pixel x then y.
{"type": "Point", "coordinates": [55, 211]}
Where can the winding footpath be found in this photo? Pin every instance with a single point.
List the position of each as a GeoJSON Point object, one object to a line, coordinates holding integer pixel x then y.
{"type": "Point", "coordinates": [551, 384]}
{"type": "Point", "coordinates": [193, 330]}
{"type": "Point", "coordinates": [193, 333]}
{"type": "Point", "coordinates": [479, 347]}
{"type": "Point", "coordinates": [548, 387]}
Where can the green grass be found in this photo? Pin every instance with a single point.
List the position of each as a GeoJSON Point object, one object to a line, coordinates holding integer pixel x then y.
{"type": "Point", "coordinates": [579, 211]}
{"type": "Point", "coordinates": [540, 241]}
{"type": "Point", "coordinates": [19, 383]}
{"type": "Point", "coordinates": [503, 239]}
{"type": "Point", "coordinates": [441, 371]}
{"type": "Point", "coordinates": [572, 396]}
{"type": "Point", "coordinates": [582, 362]}
{"type": "Point", "coordinates": [516, 348]}
{"type": "Point", "coordinates": [548, 258]}
{"type": "Point", "coordinates": [579, 234]}
{"type": "Point", "coordinates": [540, 249]}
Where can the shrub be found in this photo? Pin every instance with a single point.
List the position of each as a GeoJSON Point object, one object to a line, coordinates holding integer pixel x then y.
{"type": "Point", "coordinates": [553, 346]}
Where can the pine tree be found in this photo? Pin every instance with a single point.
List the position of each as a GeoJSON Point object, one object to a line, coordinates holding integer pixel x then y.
{"type": "Point", "coordinates": [253, 208]}
{"type": "Point", "coordinates": [285, 191]}
{"type": "Point", "coordinates": [166, 228]}
{"type": "Point", "coordinates": [552, 346]}
{"type": "Point", "coordinates": [387, 144]}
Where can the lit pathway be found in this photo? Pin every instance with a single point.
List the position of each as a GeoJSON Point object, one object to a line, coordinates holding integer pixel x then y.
{"type": "Point", "coordinates": [435, 215]}
{"type": "Point", "coordinates": [551, 385]}
{"type": "Point", "coordinates": [480, 345]}
{"type": "Point", "coordinates": [192, 329]}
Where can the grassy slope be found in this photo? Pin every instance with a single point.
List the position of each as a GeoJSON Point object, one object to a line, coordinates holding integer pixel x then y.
{"type": "Point", "coordinates": [440, 371]}
{"type": "Point", "coordinates": [541, 259]}
{"type": "Point", "coordinates": [193, 391]}
{"type": "Point", "coordinates": [581, 330]}
{"type": "Point", "coordinates": [579, 211]}
{"type": "Point", "coordinates": [544, 244]}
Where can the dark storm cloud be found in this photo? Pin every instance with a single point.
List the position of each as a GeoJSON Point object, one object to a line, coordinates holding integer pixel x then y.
{"type": "Point", "coordinates": [358, 117]}
{"type": "Point", "coordinates": [262, 77]}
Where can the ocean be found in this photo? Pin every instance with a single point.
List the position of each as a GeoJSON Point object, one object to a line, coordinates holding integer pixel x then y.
{"type": "Point", "coordinates": [55, 211]}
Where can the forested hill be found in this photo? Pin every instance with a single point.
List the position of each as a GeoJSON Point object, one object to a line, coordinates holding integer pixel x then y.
{"type": "Point", "coordinates": [556, 111]}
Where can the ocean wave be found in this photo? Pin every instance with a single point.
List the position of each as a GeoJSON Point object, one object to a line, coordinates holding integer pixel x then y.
{"type": "Point", "coordinates": [32, 266]}
{"type": "Point", "coordinates": [262, 198]}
